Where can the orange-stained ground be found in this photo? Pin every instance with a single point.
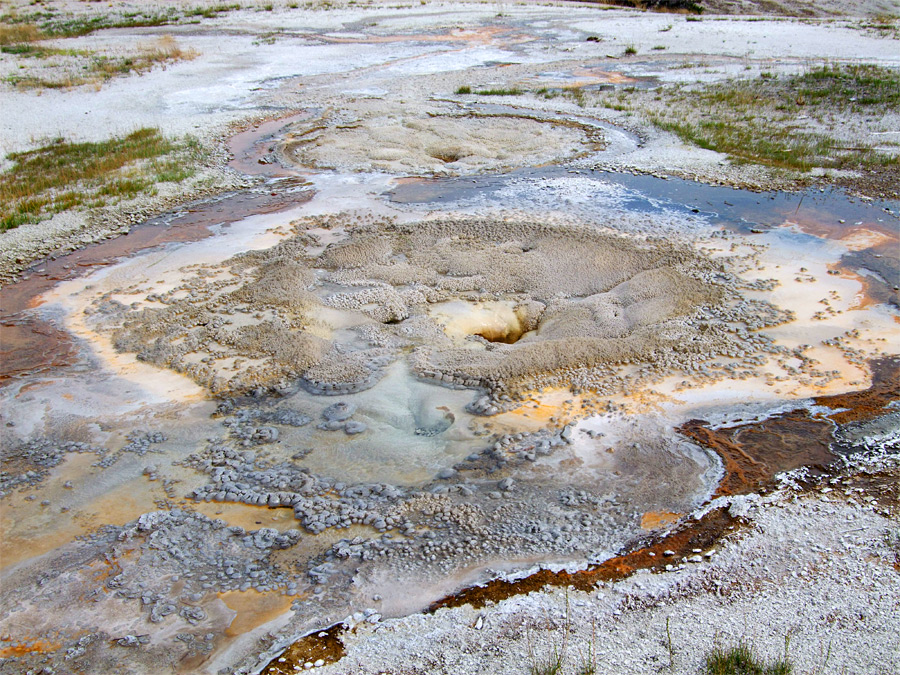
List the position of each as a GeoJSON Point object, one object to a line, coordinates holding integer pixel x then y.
{"type": "Point", "coordinates": [23, 648]}
{"type": "Point", "coordinates": [254, 609]}
{"type": "Point", "coordinates": [655, 520]}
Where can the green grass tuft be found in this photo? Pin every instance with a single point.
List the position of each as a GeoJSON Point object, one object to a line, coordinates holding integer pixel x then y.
{"type": "Point", "coordinates": [211, 12]}
{"type": "Point", "coordinates": [465, 90]}
{"type": "Point", "coordinates": [551, 664]}
{"type": "Point", "coordinates": [499, 92]}
{"type": "Point", "coordinates": [741, 659]}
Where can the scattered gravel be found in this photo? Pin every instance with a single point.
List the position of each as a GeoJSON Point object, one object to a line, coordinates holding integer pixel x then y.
{"type": "Point", "coordinates": [814, 571]}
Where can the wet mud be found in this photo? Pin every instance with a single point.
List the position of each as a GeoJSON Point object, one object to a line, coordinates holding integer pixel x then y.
{"type": "Point", "coordinates": [30, 346]}
{"type": "Point", "coordinates": [879, 268]}
{"type": "Point", "coordinates": [254, 151]}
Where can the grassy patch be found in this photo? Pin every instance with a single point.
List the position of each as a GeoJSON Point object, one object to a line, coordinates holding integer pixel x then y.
{"type": "Point", "coordinates": [854, 85]}
{"type": "Point", "coordinates": [62, 176]}
{"type": "Point", "coordinates": [754, 142]}
{"type": "Point", "coordinates": [213, 11]}
{"type": "Point", "coordinates": [741, 659]}
{"type": "Point", "coordinates": [97, 68]}
{"type": "Point", "coordinates": [28, 50]}
{"type": "Point", "coordinates": [761, 120]}
{"type": "Point", "coordinates": [83, 25]}
{"type": "Point", "coordinates": [574, 93]}
{"type": "Point", "coordinates": [22, 28]}
{"type": "Point", "coordinates": [490, 92]}
{"type": "Point", "coordinates": [884, 24]}
{"type": "Point", "coordinates": [499, 92]}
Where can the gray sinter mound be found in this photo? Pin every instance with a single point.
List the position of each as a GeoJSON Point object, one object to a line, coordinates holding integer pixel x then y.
{"type": "Point", "coordinates": [505, 306]}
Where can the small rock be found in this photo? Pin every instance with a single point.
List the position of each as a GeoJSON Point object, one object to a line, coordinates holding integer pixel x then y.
{"type": "Point", "coordinates": [353, 427]}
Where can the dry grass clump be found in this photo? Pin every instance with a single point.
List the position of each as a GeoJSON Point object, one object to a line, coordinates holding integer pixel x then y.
{"type": "Point", "coordinates": [62, 175]}
{"type": "Point", "coordinates": [18, 33]}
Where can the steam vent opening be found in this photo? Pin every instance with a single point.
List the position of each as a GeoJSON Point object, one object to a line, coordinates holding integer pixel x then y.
{"type": "Point", "coordinates": [509, 336]}
{"type": "Point", "coordinates": [500, 321]}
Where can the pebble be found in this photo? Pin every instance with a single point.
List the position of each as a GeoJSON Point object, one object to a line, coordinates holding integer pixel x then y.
{"type": "Point", "coordinates": [339, 412]}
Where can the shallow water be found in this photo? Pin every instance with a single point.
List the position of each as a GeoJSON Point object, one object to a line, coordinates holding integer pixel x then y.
{"type": "Point", "coordinates": [830, 212]}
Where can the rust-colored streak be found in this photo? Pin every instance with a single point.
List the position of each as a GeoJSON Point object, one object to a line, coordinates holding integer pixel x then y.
{"type": "Point", "coordinates": [752, 454]}
{"type": "Point", "coordinates": [323, 645]}
{"type": "Point", "coordinates": [252, 149]}
{"type": "Point", "coordinates": [859, 406]}
{"type": "Point", "coordinates": [32, 347]}
{"type": "Point", "coordinates": [701, 534]}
